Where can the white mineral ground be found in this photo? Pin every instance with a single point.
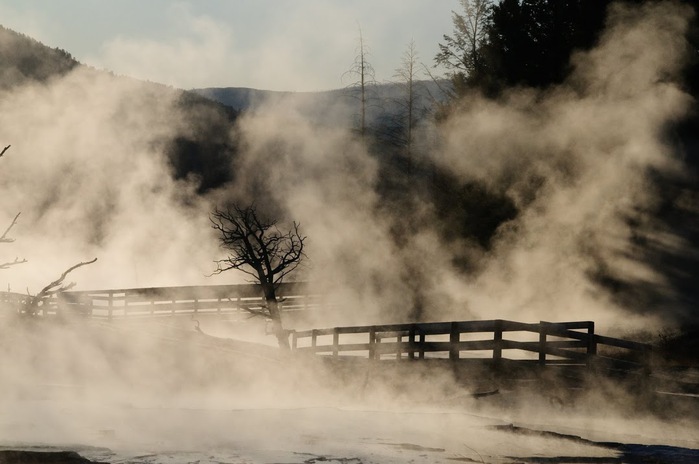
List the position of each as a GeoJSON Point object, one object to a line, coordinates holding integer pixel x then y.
{"type": "Point", "coordinates": [162, 393]}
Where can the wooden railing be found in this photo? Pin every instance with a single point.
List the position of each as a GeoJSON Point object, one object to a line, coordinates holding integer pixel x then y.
{"type": "Point", "coordinates": [542, 343]}
{"type": "Point", "coordinates": [166, 301]}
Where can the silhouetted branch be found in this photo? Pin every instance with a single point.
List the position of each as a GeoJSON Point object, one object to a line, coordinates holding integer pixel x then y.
{"type": "Point", "coordinates": [55, 287]}
{"type": "Point", "coordinates": [12, 263]}
{"type": "Point", "coordinates": [4, 238]}
{"type": "Point", "coordinates": [259, 249]}
{"type": "Point", "coordinates": [4, 150]}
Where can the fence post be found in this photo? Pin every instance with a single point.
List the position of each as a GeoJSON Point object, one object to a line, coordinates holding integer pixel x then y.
{"type": "Point", "coordinates": [542, 342]}
{"type": "Point", "coordinates": [111, 305]}
{"type": "Point", "coordinates": [411, 342]}
{"type": "Point", "coordinates": [591, 343]}
{"type": "Point", "coordinates": [45, 307]}
{"type": "Point", "coordinates": [372, 343]}
{"type": "Point", "coordinates": [497, 341]}
{"type": "Point", "coordinates": [91, 311]}
{"type": "Point", "coordinates": [421, 344]}
{"type": "Point", "coordinates": [294, 340]}
{"type": "Point", "coordinates": [336, 342]}
{"type": "Point", "coordinates": [314, 338]}
{"type": "Point", "coordinates": [454, 341]}
{"type": "Point", "coordinates": [399, 345]}
{"type": "Point", "coordinates": [647, 357]}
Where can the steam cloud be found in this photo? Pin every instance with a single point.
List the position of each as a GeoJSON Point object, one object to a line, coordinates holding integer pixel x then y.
{"type": "Point", "coordinates": [576, 161]}
{"type": "Point", "coordinates": [88, 171]}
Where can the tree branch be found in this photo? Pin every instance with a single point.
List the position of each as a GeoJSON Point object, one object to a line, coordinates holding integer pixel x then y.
{"type": "Point", "coordinates": [258, 248]}
{"type": "Point", "coordinates": [55, 287]}
{"type": "Point", "coordinates": [3, 237]}
{"type": "Point", "coordinates": [12, 263]}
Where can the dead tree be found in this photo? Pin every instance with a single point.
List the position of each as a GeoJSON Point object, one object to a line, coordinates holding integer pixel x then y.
{"type": "Point", "coordinates": [407, 75]}
{"type": "Point", "coordinates": [4, 238]}
{"type": "Point", "coordinates": [55, 287]}
{"type": "Point", "coordinates": [258, 248]}
{"type": "Point", "coordinates": [363, 73]}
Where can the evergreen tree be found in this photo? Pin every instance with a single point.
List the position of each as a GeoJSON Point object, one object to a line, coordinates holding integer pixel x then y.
{"type": "Point", "coordinates": [522, 42]}
{"type": "Point", "coordinates": [461, 52]}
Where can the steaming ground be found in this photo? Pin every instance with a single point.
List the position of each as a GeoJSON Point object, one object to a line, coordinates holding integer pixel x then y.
{"type": "Point", "coordinates": [161, 392]}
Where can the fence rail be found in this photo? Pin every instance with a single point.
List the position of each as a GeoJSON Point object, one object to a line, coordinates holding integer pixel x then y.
{"type": "Point", "coordinates": [165, 301]}
{"type": "Point", "coordinates": [569, 343]}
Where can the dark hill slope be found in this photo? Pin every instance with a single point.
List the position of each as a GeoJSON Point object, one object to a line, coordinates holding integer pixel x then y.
{"type": "Point", "coordinates": [25, 59]}
{"type": "Point", "coordinates": [202, 148]}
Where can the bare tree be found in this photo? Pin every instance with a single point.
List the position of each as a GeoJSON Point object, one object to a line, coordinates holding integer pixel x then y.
{"type": "Point", "coordinates": [4, 238]}
{"type": "Point", "coordinates": [258, 248]}
{"type": "Point", "coordinates": [407, 74]}
{"type": "Point", "coordinates": [55, 287]}
{"type": "Point", "coordinates": [32, 304]}
{"type": "Point", "coordinates": [363, 73]}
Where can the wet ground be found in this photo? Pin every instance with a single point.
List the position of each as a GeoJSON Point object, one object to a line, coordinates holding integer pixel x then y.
{"type": "Point", "coordinates": [60, 432]}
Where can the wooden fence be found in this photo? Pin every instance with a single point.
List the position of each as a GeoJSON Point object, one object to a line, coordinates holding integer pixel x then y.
{"type": "Point", "coordinates": [565, 343]}
{"type": "Point", "coordinates": [543, 343]}
{"type": "Point", "coordinates": [166, 301]}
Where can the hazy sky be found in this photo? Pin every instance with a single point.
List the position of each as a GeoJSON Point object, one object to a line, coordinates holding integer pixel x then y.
{"type": "Point", "coordinates": [300, 45]}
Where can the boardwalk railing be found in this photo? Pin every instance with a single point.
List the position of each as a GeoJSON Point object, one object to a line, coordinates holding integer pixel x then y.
{"type": "Point", "coordinates": [166, 301]}
{"type": "Point", "coordinates": [563, 343]}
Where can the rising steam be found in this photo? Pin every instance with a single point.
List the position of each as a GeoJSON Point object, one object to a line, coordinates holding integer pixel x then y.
{"type": "Point", "coordinates": [89, 173]}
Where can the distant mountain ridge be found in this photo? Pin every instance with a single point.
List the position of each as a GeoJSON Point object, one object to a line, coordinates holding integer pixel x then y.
{"type": "Point", "coordinates": [242, 98]}
{"type": "Point", "coordinates": [338, 106]}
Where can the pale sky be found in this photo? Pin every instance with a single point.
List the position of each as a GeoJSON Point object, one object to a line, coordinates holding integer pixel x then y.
{"type": "Point", "coordinates": [297, 45]}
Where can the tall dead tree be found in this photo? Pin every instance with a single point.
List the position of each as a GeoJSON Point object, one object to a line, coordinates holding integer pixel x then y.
{"type": "Point", "coordinates": [363, 73]}
{"type": "Point", "coordinates": [407, 75]}
{"type": "Point", "coordinates": [258, 248]}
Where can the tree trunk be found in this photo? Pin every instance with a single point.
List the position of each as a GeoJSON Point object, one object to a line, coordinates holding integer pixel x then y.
{"type": "Point", "coordinates": [275, 314]}
{"type": "Point", "coordinates": [279, 332]}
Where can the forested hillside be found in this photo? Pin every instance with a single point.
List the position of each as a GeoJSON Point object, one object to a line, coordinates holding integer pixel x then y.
{"type": "Point", "coordinates": [202, 150]}
{"type": "Point", "coordinates": [503, 47]}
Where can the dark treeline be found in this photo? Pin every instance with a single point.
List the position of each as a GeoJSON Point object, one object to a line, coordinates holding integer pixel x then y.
{"type": "Point", "coordinates": [24, 59]}
{"type": "Point", "coordinates": [498, 46]}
